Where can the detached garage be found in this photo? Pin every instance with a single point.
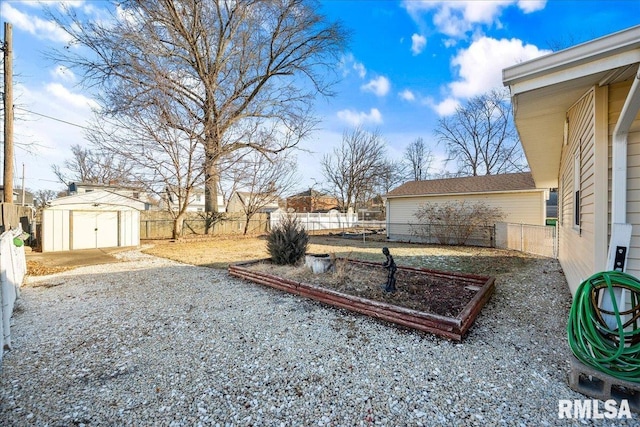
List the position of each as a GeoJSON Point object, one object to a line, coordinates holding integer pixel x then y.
{"type": "Point", "coordinates": [97, 219]}
{"type": "Point", "coordinates": [515, 194]}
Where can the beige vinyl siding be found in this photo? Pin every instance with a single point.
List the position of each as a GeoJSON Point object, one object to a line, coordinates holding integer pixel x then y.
{"type": "Point", "coordinates": [576, 244]}
{"type": "Point", "coordinates": [519, 207]}
{"type": "Point", "coordinates": [617, 96]}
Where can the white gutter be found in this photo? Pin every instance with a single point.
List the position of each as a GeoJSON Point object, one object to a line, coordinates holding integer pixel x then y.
{"type": "Point", "coordinates": [620, 241]}
{"type": "Point", "coordinates": [619, 153]}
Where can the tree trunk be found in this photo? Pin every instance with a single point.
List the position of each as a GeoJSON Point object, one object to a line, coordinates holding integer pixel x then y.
{"type": "Point", "coordinates": [246, 225]}
{"type": "Point", "coordinates": [212, 177]}
{"type": "Point", "coordinates": [178, 224]}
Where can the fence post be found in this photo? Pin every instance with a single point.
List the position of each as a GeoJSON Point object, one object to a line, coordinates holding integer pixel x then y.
{"type": "Point", "coordinates": [556, 239]}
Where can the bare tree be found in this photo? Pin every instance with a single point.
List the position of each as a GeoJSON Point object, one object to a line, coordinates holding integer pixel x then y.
{"type": "Point", "coordinates": [166, 160]}
{"type": "Point", "coordinates": [41, 197]}
{"type": "Point", "coordinates": [237, 73]}
{"type": "Point", "coordinates": [352, 169]}
{"type": "Point", "coordinates": [392, 174]}
{"type": "Point", "coordinates": [481, 137]}
{"type": "Point", "coordinates": [94, 166]}
{"type": "Point", "coordinates": [418, 158]}
{"type": "Point", "coordinates": [264, 180]}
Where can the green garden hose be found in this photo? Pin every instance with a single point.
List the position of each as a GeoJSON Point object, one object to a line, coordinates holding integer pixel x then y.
{"type": "Point", "coordinates": [613, 351]}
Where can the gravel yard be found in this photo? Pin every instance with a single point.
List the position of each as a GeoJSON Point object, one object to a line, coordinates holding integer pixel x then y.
{"type": "Point", "coordinates": [149, 341]}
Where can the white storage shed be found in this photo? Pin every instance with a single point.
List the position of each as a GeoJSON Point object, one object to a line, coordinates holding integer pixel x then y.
{"type": "Point", "coordinates": [97, 219]}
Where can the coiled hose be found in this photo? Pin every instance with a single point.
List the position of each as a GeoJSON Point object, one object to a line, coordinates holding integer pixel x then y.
{"type": "Point", "coordinates": [613, 351]}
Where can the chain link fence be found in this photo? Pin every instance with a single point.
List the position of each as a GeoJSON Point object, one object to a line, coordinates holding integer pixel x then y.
{"type": "Point", "coordinates": [442, 234]}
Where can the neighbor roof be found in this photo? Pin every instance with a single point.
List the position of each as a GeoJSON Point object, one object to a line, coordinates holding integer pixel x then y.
{"type": "Point", "coordinates": [309, 193]}
{"type": "Point", "coordinates": [469, 184]}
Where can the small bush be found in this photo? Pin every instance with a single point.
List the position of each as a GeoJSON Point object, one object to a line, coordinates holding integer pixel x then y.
{"type": "Point", "coordinates": [288, 241]}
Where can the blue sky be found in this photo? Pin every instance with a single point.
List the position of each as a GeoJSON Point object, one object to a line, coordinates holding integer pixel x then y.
{"type": "Point", "coordinates": [409, 64]}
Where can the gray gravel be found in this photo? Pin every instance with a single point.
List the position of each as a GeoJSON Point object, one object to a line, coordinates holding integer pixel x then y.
{"type": "Point", "coordinates": [149, 341]}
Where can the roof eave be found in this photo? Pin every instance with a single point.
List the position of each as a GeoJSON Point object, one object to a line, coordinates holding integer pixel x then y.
{"type": "Point", "coordinates": [544, 89]}
{"type": "Point", "coordinates": [597, 55]}
{"type": "Point", "coordinates": [470, 193]}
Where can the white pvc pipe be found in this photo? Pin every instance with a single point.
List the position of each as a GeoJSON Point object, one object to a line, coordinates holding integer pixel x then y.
{"type": "Point", "coordinates": [620, 230]}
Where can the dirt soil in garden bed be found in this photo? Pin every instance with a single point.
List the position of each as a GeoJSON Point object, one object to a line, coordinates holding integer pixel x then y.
{"type": "Point", "coordinates": [444, 296]}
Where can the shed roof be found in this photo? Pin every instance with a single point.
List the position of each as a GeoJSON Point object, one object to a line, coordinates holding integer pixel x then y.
{"type": "Point", "coordinates": [98, 199]}
{"type": "Point", "coordinates": [522, 181]}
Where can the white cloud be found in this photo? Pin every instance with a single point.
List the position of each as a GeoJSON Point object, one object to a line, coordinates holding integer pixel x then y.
{"type": "Point", "coordinates": [480, 66]}
{"type": "Point", "coordinates": [359, 67]}
{"type": "Point", "coordinates": [67, 97]}
{"type": "Point", "coordinates": [379, 86]}
{"type": "Point", "coordinates": [456, 18]}
{"type": "Point", "coordinates": [40, 28]}
{"type": "Point", "coordinates": [357, 118]}
{"type": "Point", "coordinates": [444, 108]}
{"type": "Point", "coordinates": [528, 6]}
{"type": "Point", "coordinates": [47, 141]}
{"type": "Point", "coordinates": [349, 63]}
{"type": "Point", "coordinates": [63, 73]}
{"type": "Point", "coordinates": [407, 95]}
{"type": "Point", "coordinates": [418, 43]}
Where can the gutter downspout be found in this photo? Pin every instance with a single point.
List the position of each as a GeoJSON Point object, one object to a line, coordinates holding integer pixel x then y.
{"type": "Point", "coordinates": [619, 152]}
{"type": "Point", "coordinates": [620, 240]}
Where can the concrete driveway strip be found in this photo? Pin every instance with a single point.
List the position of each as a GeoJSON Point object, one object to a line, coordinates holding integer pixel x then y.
{"type": "Point", "coordinates": [76, 258]}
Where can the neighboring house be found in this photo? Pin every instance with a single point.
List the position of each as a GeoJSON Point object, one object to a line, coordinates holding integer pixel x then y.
{"type": "Point", "coordinates": [74, 188]}
{"type": "Point", "coordinates": [576, 111]}
{"type": "Point", "coordinates": [515, 194]}
{"type": "Point", "coordinates": [373, 209]}
{"type": "Point", "coordinates": [94, 219]}
{"type": "Point", "coordinates": [17, 197]}
{"type": "Point", "coordinates": [311, 201]}
{"type": "Point", "coordinates": [196, 201]}
{"type": "Point", "coordinates": [239, 200]}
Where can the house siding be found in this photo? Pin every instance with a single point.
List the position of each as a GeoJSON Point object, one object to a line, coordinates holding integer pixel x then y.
{"type": "Point", "coordinates": [576, 244]}
{"type": "Point", "coordinates": [617, 95]}
{"type": "Point", "coordinates": [519, 207]}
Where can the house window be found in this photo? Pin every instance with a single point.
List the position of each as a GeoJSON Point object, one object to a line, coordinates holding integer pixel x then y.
{"type": "Point", "coordinates": [576, 190]}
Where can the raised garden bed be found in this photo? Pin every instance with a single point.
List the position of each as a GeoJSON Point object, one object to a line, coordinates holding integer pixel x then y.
{"type": "Point", "coordinates": [439, 302]}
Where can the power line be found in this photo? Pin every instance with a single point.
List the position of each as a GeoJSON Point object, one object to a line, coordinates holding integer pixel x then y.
{"type": "Point", "coordinates": [52, 118]}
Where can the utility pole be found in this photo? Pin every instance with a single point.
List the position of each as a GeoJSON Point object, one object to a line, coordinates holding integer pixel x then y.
{"type": "Point", "coordinates": [23, 192]}
{"type": "Point", "coordinates": [8, 115]}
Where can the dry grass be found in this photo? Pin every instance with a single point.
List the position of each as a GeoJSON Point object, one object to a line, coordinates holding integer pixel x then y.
{"type": "Point", "coordinates": [35, 268]}
{"type": "Point", "coordinates": [221, 251]}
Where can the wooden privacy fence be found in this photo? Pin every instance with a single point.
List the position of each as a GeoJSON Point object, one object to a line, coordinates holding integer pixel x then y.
{"type": "Point", "coordinates": [159, 225]}
{"type": "Point", "coordinates": [12, 216]}
{"type": "Point", "coordinates": [13, 267]}
{"type": "Point", "coordinates": [532, 239]}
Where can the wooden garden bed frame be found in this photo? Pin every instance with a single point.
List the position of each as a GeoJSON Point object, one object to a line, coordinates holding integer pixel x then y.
{"type": "Point", "coordinates": [449, 327]}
